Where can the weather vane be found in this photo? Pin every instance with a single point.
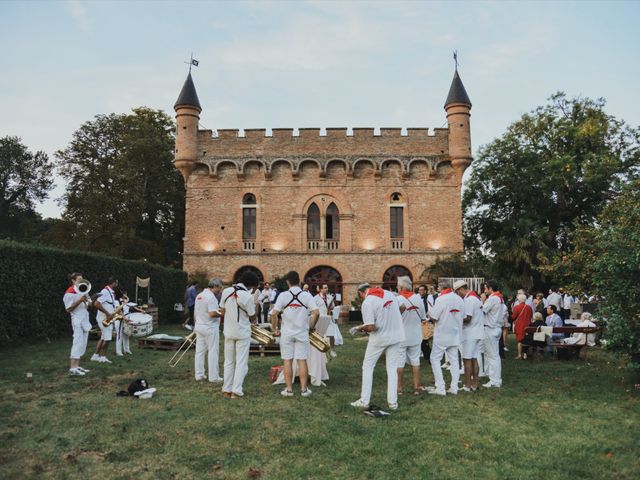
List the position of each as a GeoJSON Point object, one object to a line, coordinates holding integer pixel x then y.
{"type": "Point", "coordinates": [455, 58]}
{"type": "Point", "coordinates": [192, 62]}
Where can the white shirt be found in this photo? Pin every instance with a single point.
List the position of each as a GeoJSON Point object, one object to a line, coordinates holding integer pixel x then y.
{"type": "Point", "coordinates": [555, 299]}
{"type": "Point", "coordinates": [380, 308]}
{"type": "Point", "coordinates": [237, 327]}
{"type": "Point", "coordinates": [430, 300]}
{"type": "Point", "coordinates": [474, 330]}
{"type": "Point", "coordinates": [447, 313]}
{"type": "Point", "coordinates": [295, 313]}
{"type": "Point", "coordinates": [268, 295]}
{"type": "Point", "coordinates": [206, 302]}
{"type": "Point", "coordinates": [412, 318]}
{"type": "Point", "coordinates": [493, 312]}
{"type": "Point", "coordinates": [80, 314]}
{"type": "Point", "coordinates": [108, 301]}
{"type": "Point", "coordinates": [323, 304]}
{"type": "Point", "coordinates": [567, 301]}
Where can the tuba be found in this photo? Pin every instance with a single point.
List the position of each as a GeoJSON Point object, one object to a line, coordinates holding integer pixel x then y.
{"type": "Point", "coordinates": [262, 335]}
{"type": "Point", "coordinates": [318, 342]}
{"type": "Point", "coordinates": [83, 287]}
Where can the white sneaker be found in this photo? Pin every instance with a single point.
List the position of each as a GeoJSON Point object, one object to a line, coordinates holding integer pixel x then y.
{"type": "Point", "coordinates": [128, 352]}
{"type": "Point", "coordinates": [505, 349]}
{"type": "Point", "coordinates": [75, 371]}
{"type": "Point", "coordinates": [104, 360]}
{"type": "Point", "coordinates": [359, 404]}
{"type": "Point", "coordinates": [435, 391]}
{"type": "Point", "coordinates": [120, 354]}
{"type": "Point", "coordinates": [306, 393]}
{"type": "Point", "coordinates": [452, 392]}
{"type": "Point", "coordinates": [333, 354]}
{"type": "Point", "coordinates": [491, 385]}
{"type": "Point", "coordinates": [446, 366]}
{"type": "Point", "coordinates": [393, 406]}
{"type": "Point", "coordinates": [467, 389]}
{"type": "Point", "coordinates": [286, 393]}
{"type": "Point", "coordinates": [95, 357]}
{"type": "Point", "coordinates": [188, 327]}
{"type": "Point", "coordinates": [83, 369]}
{"type": "Point", "coordinates": [216, 380]}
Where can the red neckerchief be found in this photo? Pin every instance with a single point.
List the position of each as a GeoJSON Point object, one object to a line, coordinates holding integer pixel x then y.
{"type": "Point", "coordinates": [445, 291]}
{"type": "Point", "coordinates": [376, 292]}
{"type": "Point", "coordinates": [472, 293]}
{"type": "Point", "coordinates": [71, 289]}
{"type": "Point", "coordinates": [499, 295]}
{"type": "Point", "coordinates": [407, 294]}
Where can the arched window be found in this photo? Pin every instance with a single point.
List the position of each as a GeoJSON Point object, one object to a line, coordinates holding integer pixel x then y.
{"type": "Point", "coordinates": [332, 224]}
{"type": "Point", "coordinates": [313, 222]}
{"type": "Point", "coordinates": [247, 268]}
{"type": "Point", "coordinates": [249, 217]}
{"type": "Point", "coordinates": [324, 274]}
{"type": "Point", "coordinates": [390, 277]}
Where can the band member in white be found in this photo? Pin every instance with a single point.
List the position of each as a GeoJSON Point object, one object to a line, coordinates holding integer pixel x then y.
{"type": "Point", "coordinates": [105, 304]}
{"type": "Point", "coordinates": [207, 328]}
{"type": "Point", "coordinates": [76, 305]}
{"type": "Point", "coordinates": [325, 303]}
{"type": "Point", "coordinates": [493, 321]}
{"type": "Point", "coordinates": [381, 318]}
{"type": "Point", "coordinates": [238, 307]}
{"type": "Point", "coordinates": [447, 314]}
{"type": "Point", "coordinates": [122, 339]}
{"type": "Point", "coordinates": [295, 305]}
{"type": "Point", "coordinates": [413, 316]}
{"type": "Point", "coordinates": [472, 334]}
{"type": "Point", "coordinates": [266, 298]}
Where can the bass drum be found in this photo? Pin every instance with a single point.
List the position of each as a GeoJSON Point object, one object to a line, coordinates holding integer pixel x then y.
{"type": "Point", "coordinates": [138, 325]}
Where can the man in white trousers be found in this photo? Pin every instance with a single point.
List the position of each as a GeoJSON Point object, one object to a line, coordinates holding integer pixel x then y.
{"type": "Point", "coordinates": [238, 307]}
{"type": "Point", "coordinates": [382, 319]}
{"type": "Point", "coordinates": [472, 334]}
{"type": "Point", "coordinates": [493, 321]}
{"type": "Point", "coordinates": [207, 328]}
{"type": "Point", "coordinates": [447, 314]}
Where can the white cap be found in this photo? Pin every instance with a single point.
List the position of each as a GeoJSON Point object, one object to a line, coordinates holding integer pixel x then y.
{"type": "Point", "coordinates": [459, 284]}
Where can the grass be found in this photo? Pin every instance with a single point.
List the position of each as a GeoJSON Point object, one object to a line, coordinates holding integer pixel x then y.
{"type": "Point", "coordinates": [553, 420]}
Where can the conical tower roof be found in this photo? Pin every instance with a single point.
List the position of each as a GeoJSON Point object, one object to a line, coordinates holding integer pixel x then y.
{"type": "Point", "coordinates": [457, 93]}
{"type": "Point", "coordinates": [188, 96]}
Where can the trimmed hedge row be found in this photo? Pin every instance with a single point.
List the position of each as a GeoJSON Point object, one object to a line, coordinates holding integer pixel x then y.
{"type": "Point", "coordinates": [33, 280]}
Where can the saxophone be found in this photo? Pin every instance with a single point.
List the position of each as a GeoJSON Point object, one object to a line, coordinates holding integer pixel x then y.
{"type": "Point", "coordinates": [117, 313]}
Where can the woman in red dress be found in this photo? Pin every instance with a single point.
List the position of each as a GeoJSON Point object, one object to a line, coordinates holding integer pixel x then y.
{"type": "Point", "coordinates": [521, 316]}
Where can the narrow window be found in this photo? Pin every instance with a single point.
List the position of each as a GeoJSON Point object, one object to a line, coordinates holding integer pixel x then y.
{"type": "Point", "coordinates": [397, 223]}
{"type": "Point", "coordinates": [248, 217]}
{"type": "Point", "coordinates": [313, 222]}
{"type": "Point", "coordinates": [332, 227]}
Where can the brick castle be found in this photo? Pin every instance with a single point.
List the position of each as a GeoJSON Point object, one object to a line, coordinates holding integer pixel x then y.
{"type": "Point", "coordinates": [339, 207]}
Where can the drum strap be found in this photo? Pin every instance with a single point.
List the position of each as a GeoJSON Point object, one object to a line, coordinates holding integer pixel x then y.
{"type": "Point", "coordinates": [294, 297]}
{"type": "Point", "coordinates": [414, 308]}
{"type": "Point", "coordinates": [234, 295]}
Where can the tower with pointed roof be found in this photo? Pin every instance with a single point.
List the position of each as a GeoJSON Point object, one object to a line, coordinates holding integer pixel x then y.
{"type": "Point", "coordinates": [188, 110]}
{"type": "Point", "coordinates": [458, 108]}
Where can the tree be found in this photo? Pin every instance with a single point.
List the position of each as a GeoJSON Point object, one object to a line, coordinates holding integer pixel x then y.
{"type": "Point", "coordinates": [606, 262]}
{"type": "Point", "coordinates": [124, 195]}
{"type": "Point", "coordinates": [553, 170]}
{"type": "Point", "coordinates": [25, 178]}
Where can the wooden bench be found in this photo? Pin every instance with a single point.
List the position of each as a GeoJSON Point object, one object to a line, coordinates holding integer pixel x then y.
{"type": "Point", "coordinates": [577, 348]}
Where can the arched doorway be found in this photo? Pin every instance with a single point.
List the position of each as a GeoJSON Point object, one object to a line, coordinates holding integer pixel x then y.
{"type": "Point", "coordinates": [322, 274]}
{"type": "Point", "coordinates": [247, 268]}
{"type": "Point", "coordinates": [390, 277]}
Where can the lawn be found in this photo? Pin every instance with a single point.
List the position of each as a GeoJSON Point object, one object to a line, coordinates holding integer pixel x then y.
{"type": "Point", "coordinates": [552, 420]}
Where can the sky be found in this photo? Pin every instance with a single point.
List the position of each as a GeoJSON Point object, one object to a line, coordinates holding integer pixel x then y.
{"type": "Point", "coordinates": [278, 64]}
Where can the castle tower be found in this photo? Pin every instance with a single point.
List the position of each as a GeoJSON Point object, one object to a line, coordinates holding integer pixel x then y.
{"type": "Point", "coordinates": [458, 107]}
{"type": "Point", "coordinates": [188, 110]}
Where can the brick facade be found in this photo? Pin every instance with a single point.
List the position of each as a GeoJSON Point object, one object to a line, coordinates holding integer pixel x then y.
{"type": "Point", "coordinates": [363, 174]}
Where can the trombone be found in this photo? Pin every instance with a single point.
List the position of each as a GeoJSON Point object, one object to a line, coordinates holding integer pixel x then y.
{"type": "Point", "coordinates": [184, 348]}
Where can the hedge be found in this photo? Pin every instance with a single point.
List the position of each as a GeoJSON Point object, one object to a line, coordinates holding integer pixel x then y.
{"type": "Point", "coordinates": [33, 280]}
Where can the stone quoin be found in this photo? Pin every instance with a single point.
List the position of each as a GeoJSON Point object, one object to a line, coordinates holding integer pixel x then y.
{"type": "Point", "coordinates": [338, 206]}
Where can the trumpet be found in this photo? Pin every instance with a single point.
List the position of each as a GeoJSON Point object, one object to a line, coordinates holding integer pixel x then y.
{"type": "Point", "coordinates": [262, 335]}
{"type": "Point", "coordinates": [184, 348]}
{"type": "Point", "coordinates": [318, 342]}
{"type": "Point", "coordinates": [117, 313]}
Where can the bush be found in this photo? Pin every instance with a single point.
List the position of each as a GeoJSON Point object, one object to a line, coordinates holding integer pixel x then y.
{"type": "Point", "coordinates": [33, 280]}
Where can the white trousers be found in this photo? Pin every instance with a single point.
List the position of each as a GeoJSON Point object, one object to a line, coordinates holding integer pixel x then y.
{"type": "Point", "coordinates": [207, 344]}
{"type": "Point", "coordinates": [492, 354]}
{"type": "Point", "coordinates": [236, 364]}
{"type": "Point", "coordinates": [371, 356]}
{"type": "Point", "coordinates": [79, 345]}
{"type": "Point", "coordinates": [451, 353]}
{"type": "Point", "coordinates": [122, 339]}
